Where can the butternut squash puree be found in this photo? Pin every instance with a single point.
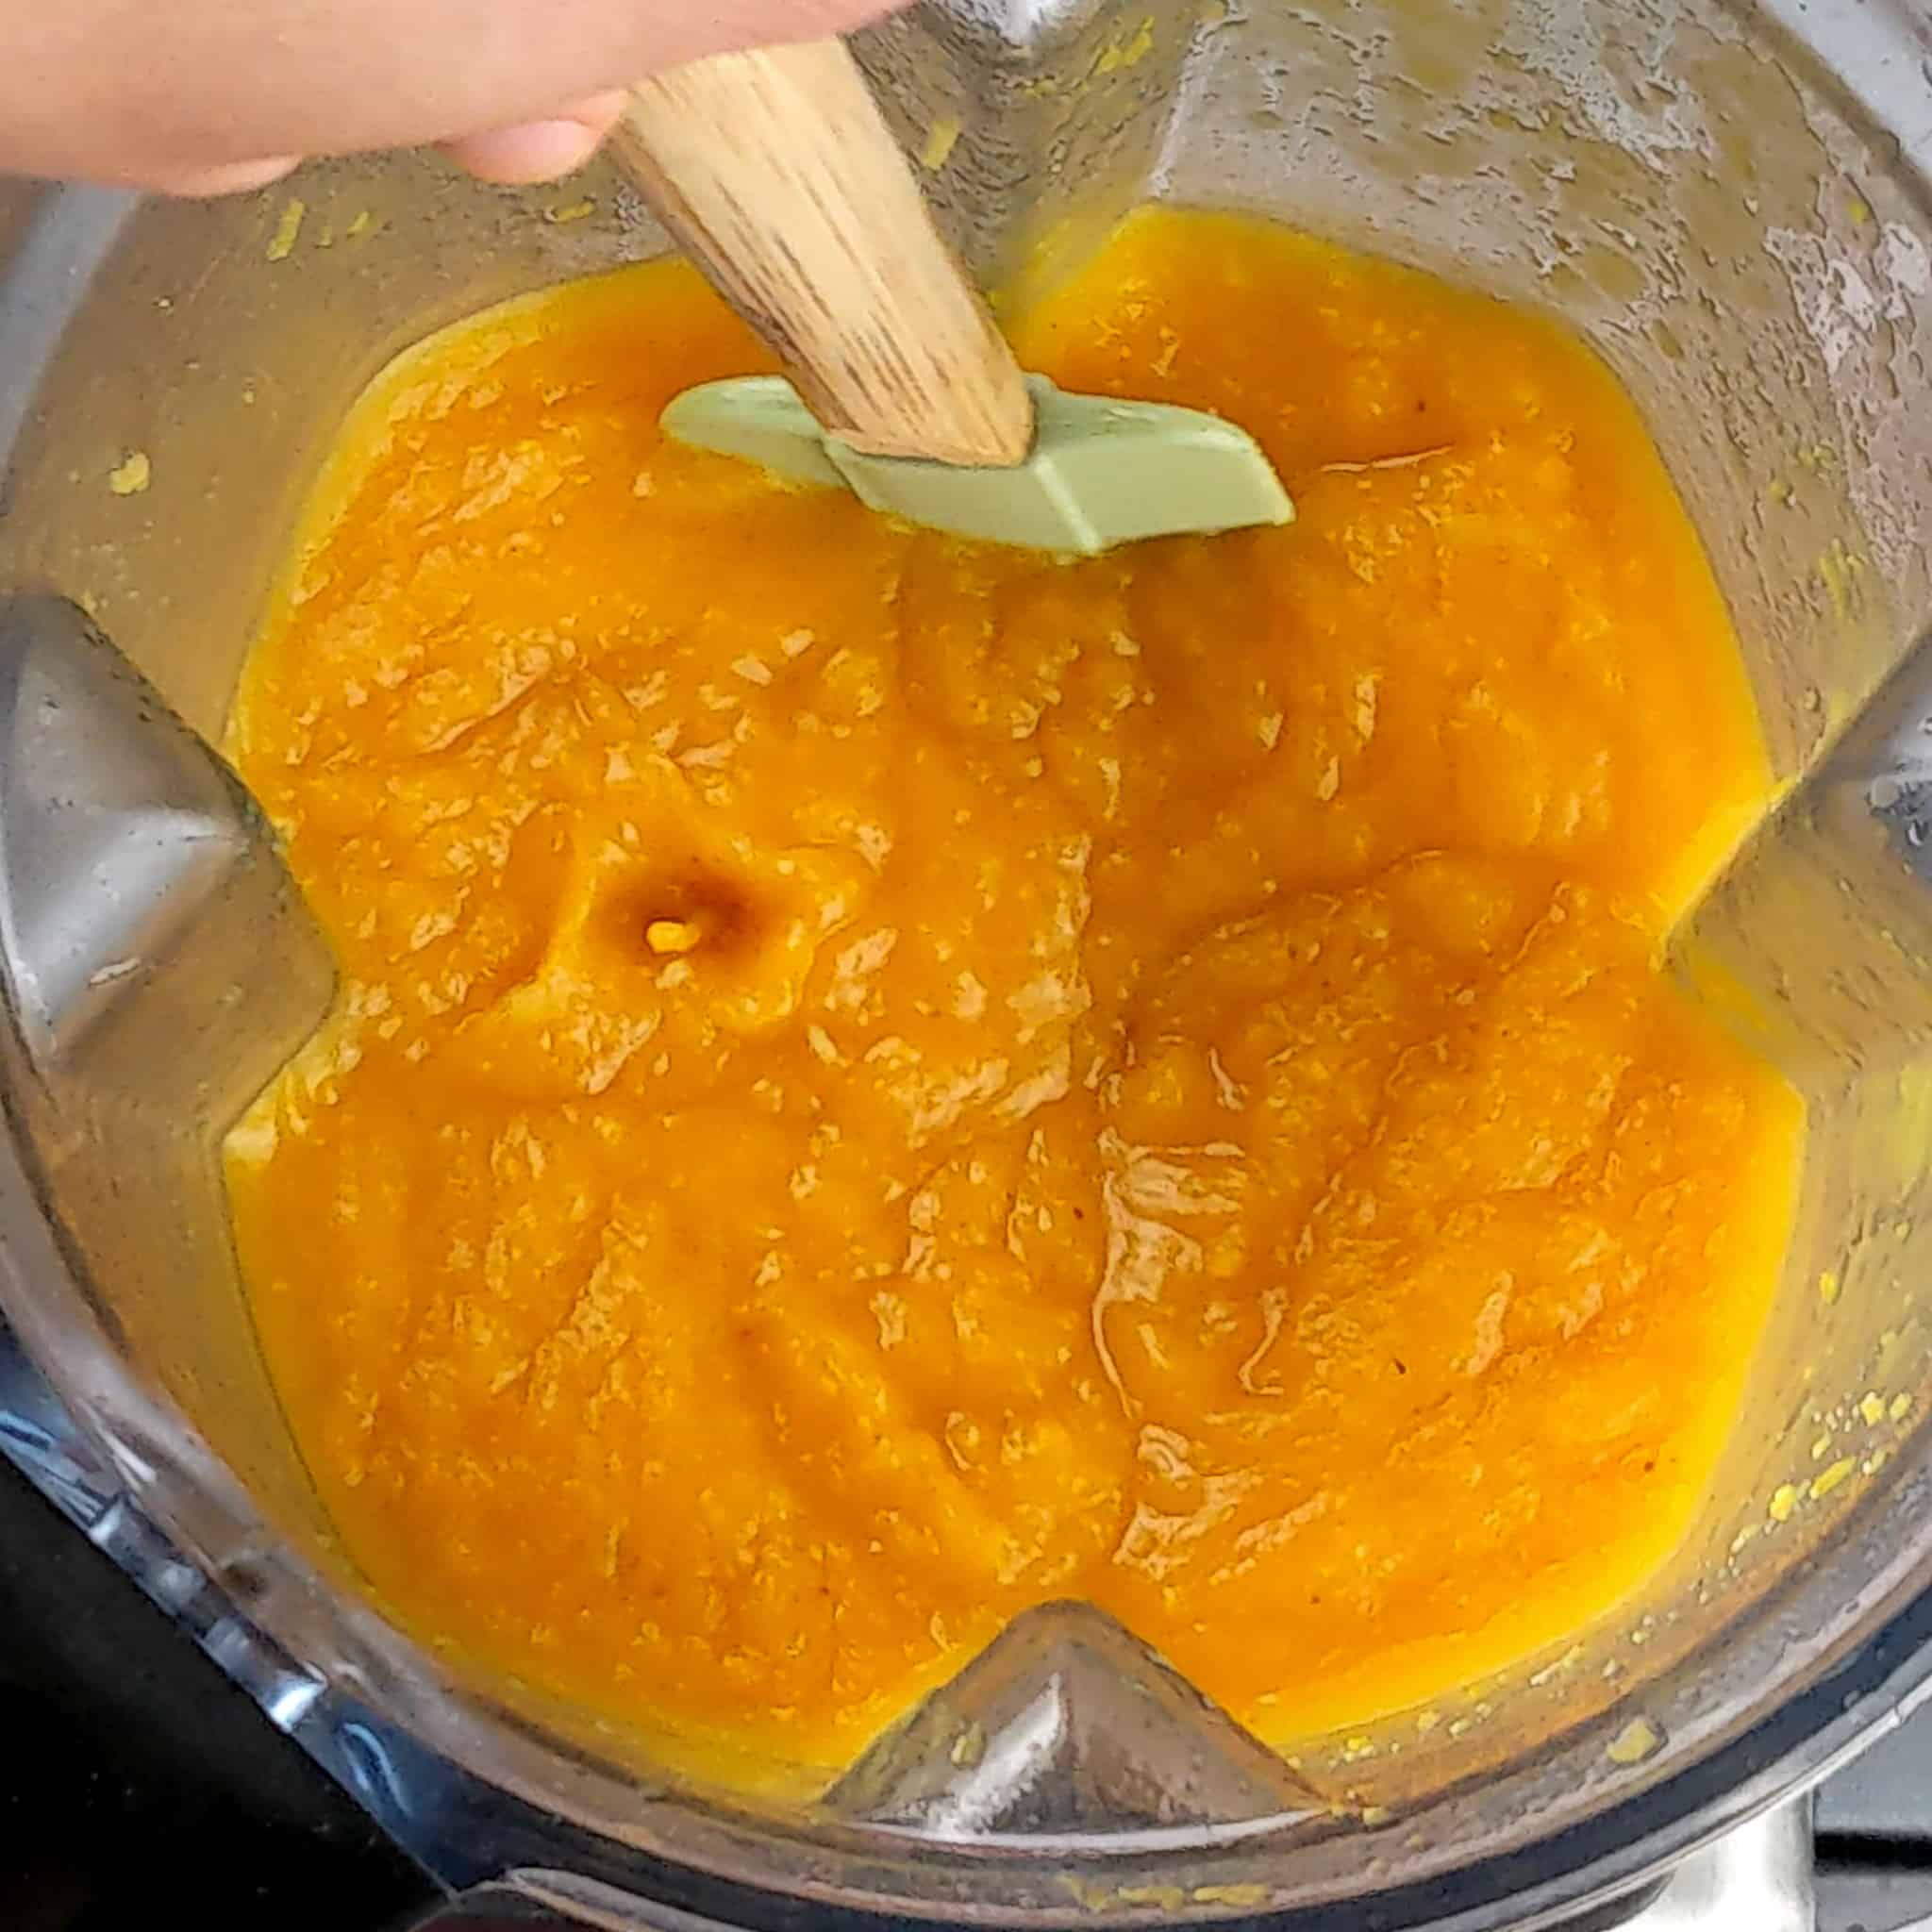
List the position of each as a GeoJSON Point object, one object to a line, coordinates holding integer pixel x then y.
{"type": "Point", "coordinates": [878, 1082]}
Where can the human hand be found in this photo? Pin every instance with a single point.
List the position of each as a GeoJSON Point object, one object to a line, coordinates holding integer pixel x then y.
{"type": "Point", "coordinates": [213, 96]}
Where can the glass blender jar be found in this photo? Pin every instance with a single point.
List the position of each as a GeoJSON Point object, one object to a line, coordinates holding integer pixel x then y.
{"type": "Point", "coordinates": [1730, 202]}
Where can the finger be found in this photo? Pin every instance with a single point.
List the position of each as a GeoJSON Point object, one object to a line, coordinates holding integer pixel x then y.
{"type": "Point", "coordinates": [127, 86]}
{"type": "Point", "coordinates": [538, 150]}
{"type": "Point", "coordinates": [229, 177]}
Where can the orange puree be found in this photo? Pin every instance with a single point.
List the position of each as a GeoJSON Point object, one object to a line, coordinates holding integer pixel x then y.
{"type": "Point", "coordinates": [876, 1082]}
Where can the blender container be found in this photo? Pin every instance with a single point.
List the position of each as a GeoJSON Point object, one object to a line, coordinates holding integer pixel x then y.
{"type": "Point", "coordinates": [1730, 202]}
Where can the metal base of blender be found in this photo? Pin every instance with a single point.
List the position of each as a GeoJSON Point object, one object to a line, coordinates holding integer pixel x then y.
{"type": "Point", "coordinates": [1758, 1878]}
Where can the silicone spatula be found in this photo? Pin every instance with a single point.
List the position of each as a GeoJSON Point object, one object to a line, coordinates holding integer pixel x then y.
{"type": "Point", "coordinates": [776, 171]}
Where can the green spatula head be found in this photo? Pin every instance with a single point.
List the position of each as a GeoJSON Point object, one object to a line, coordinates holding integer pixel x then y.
{"type": "Point", "coordinates": [1102, 473]}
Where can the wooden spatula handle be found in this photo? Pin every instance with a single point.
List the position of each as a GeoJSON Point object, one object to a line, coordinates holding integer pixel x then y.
{"type": "Point", "coordinates": [776, 171]}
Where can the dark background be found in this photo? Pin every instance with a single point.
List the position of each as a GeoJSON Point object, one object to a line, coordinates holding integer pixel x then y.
{"type": "Point", "coordinates": [138, 1785]}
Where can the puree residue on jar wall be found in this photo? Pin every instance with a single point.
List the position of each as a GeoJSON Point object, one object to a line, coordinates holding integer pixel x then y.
{"type": "Point", "coordinates": [878, 1082]}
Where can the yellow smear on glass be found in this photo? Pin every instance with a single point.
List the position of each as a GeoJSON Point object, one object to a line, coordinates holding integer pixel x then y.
{"type": "Point", "coordinates": [941, 138]}
{"type": "Point", "coordinates": [288, 229]}
{"type": "Point", "coordinates": [132, 475]}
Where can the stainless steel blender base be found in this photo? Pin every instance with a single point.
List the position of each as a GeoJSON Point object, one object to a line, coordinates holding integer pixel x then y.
{"type": "Point", "coordinates": [1758, 1878]}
